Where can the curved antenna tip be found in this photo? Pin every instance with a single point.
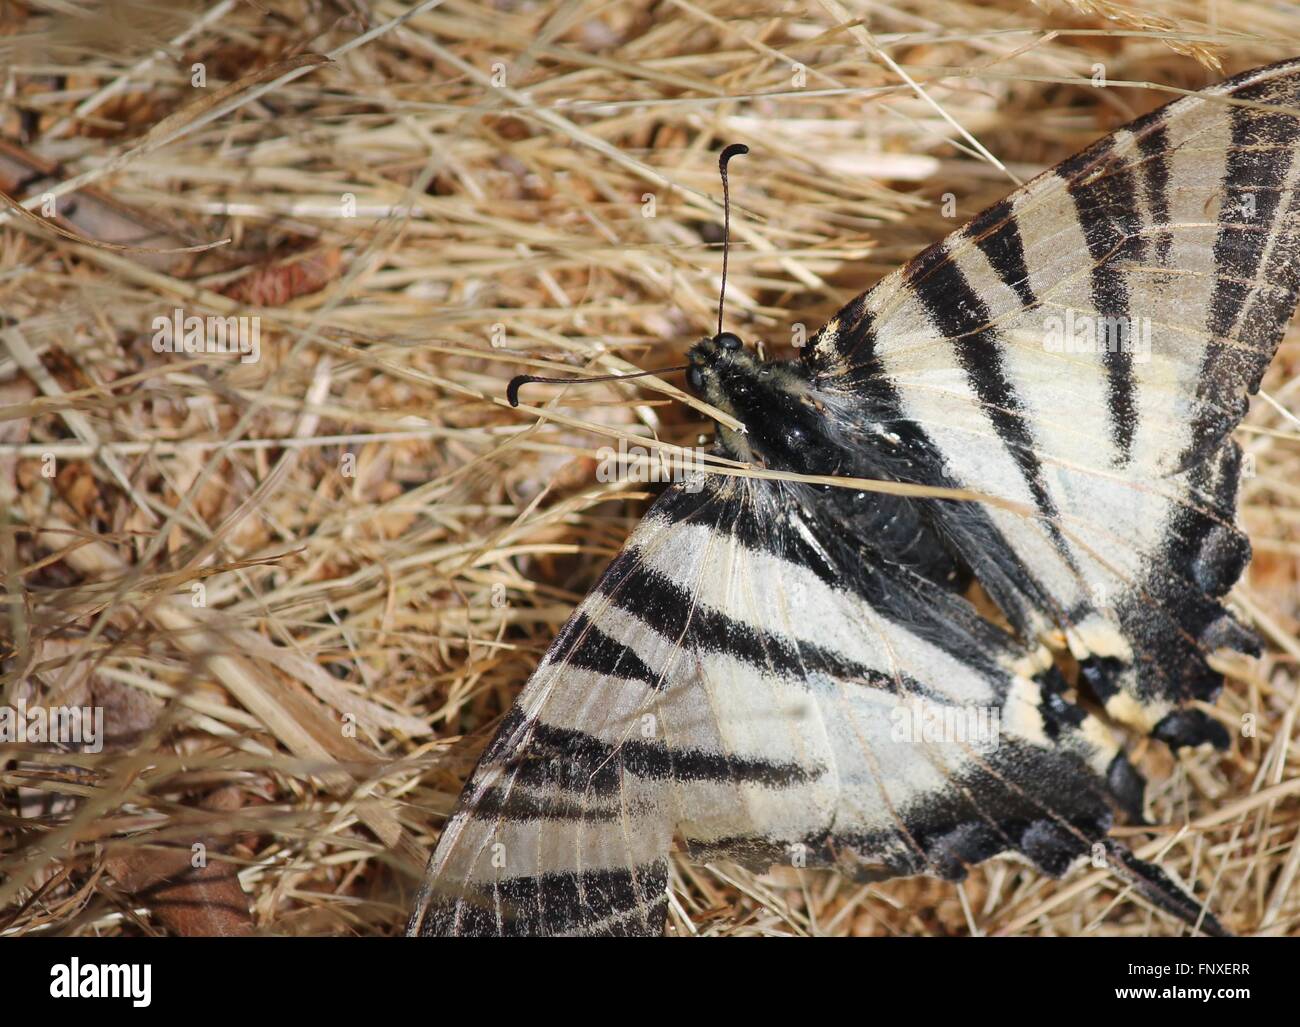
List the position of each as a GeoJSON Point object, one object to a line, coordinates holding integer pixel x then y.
{"type": "Point", "coordinates": [734, 150]}
{"type": "Point", "coordinates": [520, 380]}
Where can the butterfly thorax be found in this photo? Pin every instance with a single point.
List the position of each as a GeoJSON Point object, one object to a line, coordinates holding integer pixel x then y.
{"type": "Point", "coordinates": [773, 400]}
{"type": "Point", "coordinates": [790, 425]}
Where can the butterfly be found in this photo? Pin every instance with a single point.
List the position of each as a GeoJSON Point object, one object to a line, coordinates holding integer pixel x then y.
{"type": "Point", "coordinates": [776, 671]}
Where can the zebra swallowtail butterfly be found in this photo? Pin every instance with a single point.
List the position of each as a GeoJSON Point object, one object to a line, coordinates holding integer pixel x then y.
{"type": "Point", "coordinates": [776, 634]}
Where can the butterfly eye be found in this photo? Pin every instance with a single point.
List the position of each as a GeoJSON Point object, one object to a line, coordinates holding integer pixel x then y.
{"type": "Point", "coordinates": [695, 379]}
{"type": "Point", "coordinates": [728, 341]}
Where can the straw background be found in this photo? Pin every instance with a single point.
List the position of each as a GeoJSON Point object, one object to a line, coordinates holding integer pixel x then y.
{"type": "Point", "coordinates": [304, 588]}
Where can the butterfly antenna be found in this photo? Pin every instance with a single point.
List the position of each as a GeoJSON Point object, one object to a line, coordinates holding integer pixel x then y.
{"type": "Point", "coordinates": [734, 150]}
{"type": "Point", "coordinates": [519, 381]}
{"type": "Point", "coordinates": [516, 383]}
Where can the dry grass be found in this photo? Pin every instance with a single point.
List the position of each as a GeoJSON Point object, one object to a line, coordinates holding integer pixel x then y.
{"type": "Point", "coordinates": [384, 549]}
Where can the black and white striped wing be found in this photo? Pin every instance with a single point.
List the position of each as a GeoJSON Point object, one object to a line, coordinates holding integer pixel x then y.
{"type": "Point", "coordinates": [1085, 347]}
{"type": "Point", "coordinates": [746, 680]}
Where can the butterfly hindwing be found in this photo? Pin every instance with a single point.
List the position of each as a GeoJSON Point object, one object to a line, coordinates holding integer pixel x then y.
{"type": "Point", "coordinates": [1084, 348]}
{"type": "Point", "coordinates": [750, 680]}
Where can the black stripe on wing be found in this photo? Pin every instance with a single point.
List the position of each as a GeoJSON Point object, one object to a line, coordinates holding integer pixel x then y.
{"type": "Point", "coordinates": [586, 647]}
{"type": "Point", "coordinates": [1105, 193]}
{"type": "Point", "coordinates": [611, 903]}
{"type": "Point", "coordinates": [997, 235]}
{"type": "Point", "coordinates": [540, 755]}
{"type": "Point", "coordinates": [958, 312]}
{"type": "Point", "coordinates": [1153, 145]}
{"type": "Point", "coordinates": [669, 609]}
{"type": "Point", "coordinates": [1256, 259]}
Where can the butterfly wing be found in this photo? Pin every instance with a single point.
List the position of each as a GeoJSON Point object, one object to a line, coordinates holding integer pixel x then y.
{"type": "Point", "coordinates": [1084, 348]}
{"type": "Point", "coordinates": [746, 678]}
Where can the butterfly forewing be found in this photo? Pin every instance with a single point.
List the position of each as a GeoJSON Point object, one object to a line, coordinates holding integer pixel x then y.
{"type": "Point", "coordinates": [1083, 348]}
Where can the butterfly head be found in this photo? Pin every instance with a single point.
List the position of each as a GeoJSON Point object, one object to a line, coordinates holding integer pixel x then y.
{"type": "Point", "coordinates": [708, 353]}
{"type": "Point", "coordinates": [772, 399]}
